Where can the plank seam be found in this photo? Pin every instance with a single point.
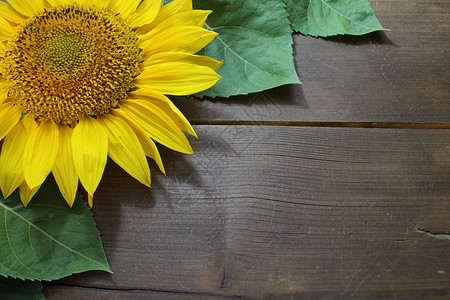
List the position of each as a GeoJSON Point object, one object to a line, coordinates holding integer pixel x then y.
{"type": "Point", "coordinates": [161, 291]}
{"type": "Point", "coordinates": [329, 124]}
{"type": "Point", "coordinates": [437, 291]}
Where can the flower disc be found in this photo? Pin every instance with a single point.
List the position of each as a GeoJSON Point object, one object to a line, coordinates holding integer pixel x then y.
{"type": "Point", "coordinates": [81, 81]}
{"type": "Point", "coordinates": [71, 61]}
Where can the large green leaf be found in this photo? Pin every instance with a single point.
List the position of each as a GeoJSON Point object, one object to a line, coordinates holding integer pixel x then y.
{"type": "Point", "coordinates": [18, 289]}
{"type": "Point", "coordinates": [255, 43]}
{"type": "Point", "coordinates": [48, 239]}
{"type": "Point", "coordinates": [332, 17]}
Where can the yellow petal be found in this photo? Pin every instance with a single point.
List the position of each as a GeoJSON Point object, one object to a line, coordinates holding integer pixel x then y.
{"type": "Point", "coordinates": [124, 7]}
{"type": "Point", "coordinates": [84, 2]}
{"type": "Point", "coordinates": [189, 39]}
{"type": "Point", "coordinates": [166, 12]}
{"type": "Point", "coordinates": [90, 149]}
{"type": "Point", "coordinates": [125, 148]}
{"type": "Point", "coordinates": [29, 123]}
{"type": "Point", "coordinates": [196, 17]}
{"type": "Point", "coordinates": [26, 193]}
{"type": "Point", "coordinates": [3, 91]}
{"type": "Point", "coordinates": [176, 78]}
{"type": "Point", "coordinates": [166, 105]}
{"type": "Point", "coordinates": [145, 14]}
{"type": "Point", "coordinates": [40, 153]}
{"type": "Point", "coordinates": [10, 14]}
{"type": "Point", "coordinates": [61, 2]}
{"type": "Point", "coordinates": [27, 7]}
{"type": "Point", "coordinates": [11, 172]}
{"type": "Point", "coordinates": [9, 116]}
{"type": "Point", "coordinates": [100, 3]}
{"type": "Point", "coordinates": [181, 57]}
{"type": "Point", "coordinates": [64, 169]}
{"type": "Point", "coordinates": [146, 142]}
{"type": "Point", "coordinates": [90, 200]}
{"type": "Point", "coordinates": [2, 49]}
{"type": "Point", "coordinates": [157, 124]}
{"type": "Point", "coordinates": [185, 18]}
{"type": "Point", "coordinates": [173, 8]}
{"type": "Point", "coordinates": [6, 30]}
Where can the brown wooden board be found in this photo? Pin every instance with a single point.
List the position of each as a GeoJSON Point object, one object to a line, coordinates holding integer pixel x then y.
{"type": "Point", "coordinates": [67, 292]}
{"type": "Point", "coordinates": [64, 292]}
{"type": "Point", "coordinates": [303, 211]}
{"type": "Point", "coordinates": [401, 76]}
{"type": "Point", "coordinates": [283, 212]}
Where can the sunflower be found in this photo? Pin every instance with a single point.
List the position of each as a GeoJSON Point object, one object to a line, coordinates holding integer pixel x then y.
{"type": "Point", "coordinates": [83, 80]}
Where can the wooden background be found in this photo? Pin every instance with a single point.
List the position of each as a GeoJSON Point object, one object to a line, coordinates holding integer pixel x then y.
{"type": "Point", "coordinates": [335, 189]}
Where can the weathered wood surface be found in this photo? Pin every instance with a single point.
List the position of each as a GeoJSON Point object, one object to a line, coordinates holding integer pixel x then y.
{"type": "Point", "coordinates": [263, 211]}
{"type": "Point", "coordinates": [302, 210]}
{"type": "Point", "coordinates": [401, 76]}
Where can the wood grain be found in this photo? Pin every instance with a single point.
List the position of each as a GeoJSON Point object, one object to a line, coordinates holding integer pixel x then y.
{"type": "Point", "coordinates": [320, 207]}
{"type": "Point", "coordinates": [281, 212]}
{"type": "Point", "coordinates": [67, 292]}
{"type": "Point", "coordinates": [400, 76]}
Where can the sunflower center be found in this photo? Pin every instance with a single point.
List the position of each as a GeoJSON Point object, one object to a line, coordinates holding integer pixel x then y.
{"type": "Point", "coordinates": [63, 51]}
{"type": "Point", "coordinates": [70, 61]}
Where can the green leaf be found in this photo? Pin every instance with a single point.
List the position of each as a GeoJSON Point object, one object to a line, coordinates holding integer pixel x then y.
{"type": "Point", "coordinates": [18, 289]}
{"type": "Point", "coordinates": [48, 240]}
{"type": "Point", "coordinates": [255, 43]}
{"type": "Point", "coordinates": [332, 17]}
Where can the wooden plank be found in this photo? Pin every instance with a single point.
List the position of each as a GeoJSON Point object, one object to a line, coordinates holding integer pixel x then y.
{"type": "Point", "coordinates": [290, 212]}
{"type": "Point", "coordinates": [73, 293]}
{"type": "Point", "coordinates": [401, 76]}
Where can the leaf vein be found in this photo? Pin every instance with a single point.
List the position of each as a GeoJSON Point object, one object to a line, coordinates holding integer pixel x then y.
{"type": "Point", "coordinates": [44, 233]}
{"type": "Point", "coordinates": [243, 59]}
{"type": "Point", "coordinates": [11, 246]}
{"type": "Point", "coordinates": [344, 16]}
{"type": "Point", "coordinates": [32, 248]}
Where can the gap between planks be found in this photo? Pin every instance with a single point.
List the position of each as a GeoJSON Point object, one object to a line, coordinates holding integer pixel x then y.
{"type": "Point", "coordinates": [329, 124]}
{"type": "Point", "coordinates": [140, 290]}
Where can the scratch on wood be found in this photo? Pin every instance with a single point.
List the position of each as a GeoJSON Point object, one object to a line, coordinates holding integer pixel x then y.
{"type": "Point", "coordinates": [438, 235]}
{"type": "Point", "coordinates": [222, 283]}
